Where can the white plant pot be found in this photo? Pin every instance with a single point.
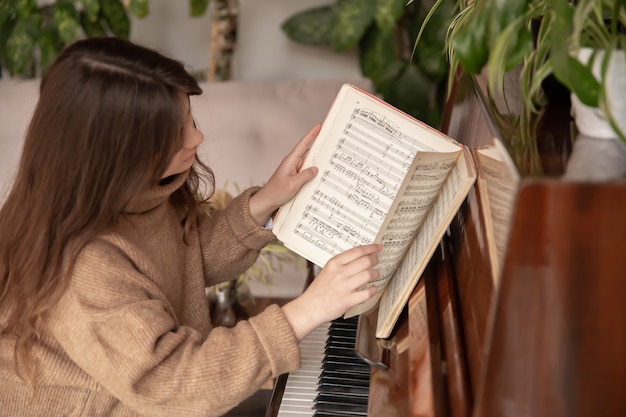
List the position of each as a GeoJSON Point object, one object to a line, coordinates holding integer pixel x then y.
{"type": "Point", "coordinates": [592, 121]}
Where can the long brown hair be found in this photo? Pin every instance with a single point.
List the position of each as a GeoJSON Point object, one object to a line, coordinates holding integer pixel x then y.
{"type": "Point", "coordinates": [108, 120]}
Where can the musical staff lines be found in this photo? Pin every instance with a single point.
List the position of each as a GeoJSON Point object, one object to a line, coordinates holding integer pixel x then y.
{"type": "Point", "coordinates": [353, 197]}
{"type": "Point", "coordinates": [424, 186]}
{"type": "Point", "coordinates": [370, 161]}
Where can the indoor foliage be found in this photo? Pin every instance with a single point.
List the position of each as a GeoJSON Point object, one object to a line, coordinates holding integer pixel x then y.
{"type": "Point", "coordinates": [384, 32]}
{"type": "Point", "coordinates": [32, 32]}
{"type": "Point", "coordinates": [541, 38]}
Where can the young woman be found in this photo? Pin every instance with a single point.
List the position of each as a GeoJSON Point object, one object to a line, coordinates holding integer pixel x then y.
{"type": "Point", "coordinates": [105, 252]}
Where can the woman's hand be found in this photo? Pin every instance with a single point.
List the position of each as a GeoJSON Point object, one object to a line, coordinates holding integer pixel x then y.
{"type": "Point", "coordinates": [336, 288]}
{"type": "Point", "coordinates": [286, 180]}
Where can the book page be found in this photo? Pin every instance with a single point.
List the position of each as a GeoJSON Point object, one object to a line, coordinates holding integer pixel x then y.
{"type": "Point", "coordinates": [364, 151]}
{"type": "Point", "coordinates": [498, 183]}
{"type": "Point", "coordinates": [439, 217]}
{"type": "Point", "coordinates": [407, 216]}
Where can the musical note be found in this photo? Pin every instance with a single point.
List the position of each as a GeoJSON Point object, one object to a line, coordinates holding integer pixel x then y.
{"type": "Point", "coordinates": [370, 160]}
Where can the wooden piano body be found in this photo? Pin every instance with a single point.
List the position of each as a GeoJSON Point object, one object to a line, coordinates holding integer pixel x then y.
{"type": "Point", "coordinates": [541, 334]}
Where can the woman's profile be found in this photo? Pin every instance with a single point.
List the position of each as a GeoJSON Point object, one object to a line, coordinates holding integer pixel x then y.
{"type": "Point", "coordinates": [106, 251]}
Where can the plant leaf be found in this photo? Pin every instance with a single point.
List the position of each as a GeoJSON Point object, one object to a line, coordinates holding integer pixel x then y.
{"type": "Point", "coordinates": [21, 43]}
{"type": "Point", "coordinates": [310, 27]}
{"type": "Point", "coordinates": [7, 10]}
{"type": "Point", "coordinates": [430, 57]}
{"type": "Point", "coordinates": [572, 73]}
{"type": "Point", "coordinates": [384, 83]}
{"type": "Point", "coordinates": [66, 21]}
{"type": "Point", "coordinates": [352, 19]}
{"type": "Point", "coordinates": [90, 9]}
{"type": "Point", "coordinates": [377, 50]}
{"type": "Point", "coordinates": [388, 12]}
{"type": "Point", "coordinates": [516, 52]}
{"type": "Point", "coordinates": [49, 46]}
{"type": "Point", "coordinates": [426, 21]}
{"type": "Point", "coordinates": [92, 29]}
{"type": "Point", "coordinates": [469, 43]}
{"type": "Point", "coordinates": [24, 8]}
{"type": "Point", "coordinates": [197, 7]}
{"type": "Point", "coordinates": [411, 91]}
{"type": "Point", "coordinates": [5, 31]}
{"type": "Point", "coordinates": [140, 8]}
{"type": "Point", "coordinates": [115, 16]}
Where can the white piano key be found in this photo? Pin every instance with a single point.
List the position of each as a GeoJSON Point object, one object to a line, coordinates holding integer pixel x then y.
{"type": "Point", "coordinates": [301, 386]}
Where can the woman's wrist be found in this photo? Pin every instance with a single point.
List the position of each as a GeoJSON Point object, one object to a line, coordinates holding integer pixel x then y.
{"type": "Point", "coordinates": [260, 211]}
{"type": "Point", "coordinates": [301, 323]}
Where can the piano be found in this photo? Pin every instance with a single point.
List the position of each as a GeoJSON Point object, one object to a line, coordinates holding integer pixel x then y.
{"type": "Point", "coordinates": [540, 331]}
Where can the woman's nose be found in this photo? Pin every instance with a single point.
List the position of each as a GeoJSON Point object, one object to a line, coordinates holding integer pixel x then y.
{"type": "Point", "coordinates": [196, 139]}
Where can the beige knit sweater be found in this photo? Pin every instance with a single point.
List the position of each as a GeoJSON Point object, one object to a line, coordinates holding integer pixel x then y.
{"type": "Point", "coordinates": [132, 335]}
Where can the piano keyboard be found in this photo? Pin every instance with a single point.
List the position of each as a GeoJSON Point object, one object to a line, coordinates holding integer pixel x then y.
{"type": "Point", "coordinates": [333, 380]}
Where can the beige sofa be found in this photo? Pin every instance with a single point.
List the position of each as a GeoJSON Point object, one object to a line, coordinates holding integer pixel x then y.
{"type": "Point", "coordinates": [249, 127]}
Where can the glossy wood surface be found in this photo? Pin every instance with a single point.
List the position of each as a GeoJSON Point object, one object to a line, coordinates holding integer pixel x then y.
{"type": "Point", "coordinates": [559, 335]}
{"type": "Point", "coordinates": [405, 388]}
{"type": "Point", "coordinates": [546, 337]}
{"type": "Point", "coordinates": [459, 400]}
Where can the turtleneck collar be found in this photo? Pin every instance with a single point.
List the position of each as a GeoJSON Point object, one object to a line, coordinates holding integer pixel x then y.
{"type": "Point", "coordinates": [156, 195]}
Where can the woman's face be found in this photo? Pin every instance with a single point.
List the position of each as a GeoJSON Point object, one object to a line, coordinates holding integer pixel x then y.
{"type": "Point", "coordinates": [192, 138]}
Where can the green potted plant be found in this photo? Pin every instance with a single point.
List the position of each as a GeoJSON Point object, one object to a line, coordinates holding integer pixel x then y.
{"type": "Point", "coordinates": [595, 61]}
{"type": "Point", "coordinates": [542, 39]}
{"type": "Point", "coordinates": [383, 33]}
{"type": "Point", "coordinates": [32, 33]}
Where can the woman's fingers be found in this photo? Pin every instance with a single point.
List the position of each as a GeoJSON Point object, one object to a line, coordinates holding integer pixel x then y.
{"type": "Point", "coordinates": [301, 149]}
{"type": "Point", "coordinates": [357, 252]}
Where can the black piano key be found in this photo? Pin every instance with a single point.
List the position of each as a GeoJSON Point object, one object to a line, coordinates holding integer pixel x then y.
{"type": "Point", "coordinates": [341, 329]}
{"type": "Point", "coordinates": [319, 413]}
{"type": "Point", "coordinates": [341, 341]}
{"type": "Point", "coordinates": [344, 398]}
{"type": "Point", "coordinates": [341, 350]}
{"type": "Point", "coordinates": [348, 367]}
{"type": "Point", "coordinates": [343, 384]}
{"type": "Point", "coordinates": [337, 408]}
{"type": "Point", "coordinates": [343, 404]}
{"type": "Point", "coordinates": [343, 380]}
{"type": "Point", "coordinates": [348, 382]}
{"type": "Point", "coordinates": [336, 358]}
{"type": "Point", "coordinates": [338, 363]}
{"type": "Point", "coordinates": [344, 389]}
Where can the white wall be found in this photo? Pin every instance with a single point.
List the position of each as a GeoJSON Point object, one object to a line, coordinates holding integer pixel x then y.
{"type": "Point", "coordinates": [169, 29]}
{"type": "Point", "coordinates": [263, 51]}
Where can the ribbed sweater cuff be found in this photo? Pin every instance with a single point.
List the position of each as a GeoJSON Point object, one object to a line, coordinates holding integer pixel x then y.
{"type": "Point", "coordinates": [243, 225]}
{"type": "Point", "coordinates": [278, 340]}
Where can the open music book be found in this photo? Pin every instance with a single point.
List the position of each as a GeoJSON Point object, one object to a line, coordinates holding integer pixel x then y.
{"type": "Point", "coordinates": [497, 184]}
{"type": "Point", "coordinates": [383, 177]}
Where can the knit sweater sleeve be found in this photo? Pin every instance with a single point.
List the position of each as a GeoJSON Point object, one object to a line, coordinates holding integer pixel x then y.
{"type": "Point", "coordinates": [231, 240]}
{"type": "Point", "coordinates": [115, 324]}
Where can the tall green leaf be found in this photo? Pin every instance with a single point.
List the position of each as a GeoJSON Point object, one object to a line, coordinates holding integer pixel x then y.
{"type": "Point", "coordinates": [116, 18]}
{"type": "Point", "coordinates": [7, 9]}
{"type": "Point", "coordinates": [91, 9]}
{"type": "Point", "coordinates": [388, 12]}
{"type": "Point", "coordinates": [377, 50]}
{"type": "Point", "coordinates": [93, 29]}
{"type": "Point", "coordinates": [569, 71]}
{"type": "Point", "coordinates": [25, 7]}
{"type": "Point", "coordinates": [21, 43]}
{"type": "Point", "coordinates": [140, 8]}
{"type": "Point", "coordinates": [49, 47]}
{"type": "Point", "coordinates": [197, 7]}
{"type": "Point", "coordinates": [310, 27]}
{"type": "Point", "coordinates": [411, 92]}
{"type": "Point", "coordinates": [65, 19]}
{"type": "Point", "coordinates": [352, 18]}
